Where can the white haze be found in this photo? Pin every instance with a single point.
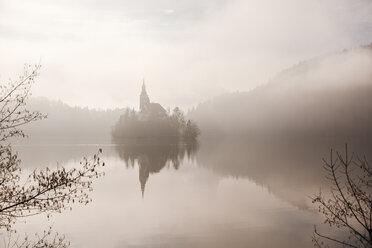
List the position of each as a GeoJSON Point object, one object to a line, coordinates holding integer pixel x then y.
{"type": "Point", "coordinates": [95, 53]}
{"type": "Point", "coordinates": [326, 96]}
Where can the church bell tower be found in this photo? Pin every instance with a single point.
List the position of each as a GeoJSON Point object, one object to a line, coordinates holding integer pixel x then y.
{"type": "Point", "coordinates": [144, 98]}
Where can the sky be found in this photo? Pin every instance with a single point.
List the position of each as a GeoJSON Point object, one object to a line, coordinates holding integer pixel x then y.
{"type": "Point", "coordinates": [96, 53]}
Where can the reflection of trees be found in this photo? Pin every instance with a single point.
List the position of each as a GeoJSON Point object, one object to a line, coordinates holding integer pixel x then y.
{"type": "Point", "coordinates": [152, 158]}
{"type": "Point", "coordinates": [291, 168]}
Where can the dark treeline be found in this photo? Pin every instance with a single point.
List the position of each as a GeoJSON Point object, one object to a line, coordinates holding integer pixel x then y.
{"type": "Point", "coordinates": [91, 125]}
{"type": "Point", "coordinates": [64, 121]}
{"type": "Point", "coordinates": [325, 96]}
{"type": "Point", "coordinates": [172, 126]}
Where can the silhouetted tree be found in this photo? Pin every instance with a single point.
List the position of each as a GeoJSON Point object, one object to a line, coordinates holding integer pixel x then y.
{"type": "Point", "coordinates": [43, 191]}
{"type": "Point", "coordinates": [348, 207]}
{"type": "Point", "coordinates": [178, 119]}
{"type": "Point", "coordinates": [191, 131]}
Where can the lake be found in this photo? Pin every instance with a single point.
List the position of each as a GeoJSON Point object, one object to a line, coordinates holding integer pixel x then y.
{"type": "Point", "coordinates": [217, 193]}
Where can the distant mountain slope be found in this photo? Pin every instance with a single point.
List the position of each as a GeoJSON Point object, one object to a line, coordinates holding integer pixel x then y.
{"type": "Point", "coordinates": [330, 95]}
{"type": "Point", "coordinates": [66, 121]}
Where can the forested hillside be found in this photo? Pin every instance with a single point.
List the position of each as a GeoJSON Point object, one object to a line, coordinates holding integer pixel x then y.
{"type": "Point", "coordinates": [66, 121]}
{"type": "Point", "coordinates": [326, 96]}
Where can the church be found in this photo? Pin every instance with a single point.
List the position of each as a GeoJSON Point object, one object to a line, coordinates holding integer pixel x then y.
{"type": "Point", "coordinates": [149, 110]}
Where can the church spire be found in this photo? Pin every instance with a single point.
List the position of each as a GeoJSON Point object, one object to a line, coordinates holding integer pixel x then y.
{"type": "Point", "coordinates": [143, 85]}
{"type": "Point", "coordinates": [144, 98]}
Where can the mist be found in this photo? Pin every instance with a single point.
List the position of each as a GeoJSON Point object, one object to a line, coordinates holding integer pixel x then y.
{"type": "Point", "coordinates": [187, 51]}
{"type": "Point", "coordinates": [189, 123]}
{"type": "Point", "coordinates": [323, 96]}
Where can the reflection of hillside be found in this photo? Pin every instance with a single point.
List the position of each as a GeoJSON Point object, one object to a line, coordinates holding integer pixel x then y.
{"type": "Point", "coordinates": [289, 168]}
{"type": "Point", "coordinates": [152, 158]}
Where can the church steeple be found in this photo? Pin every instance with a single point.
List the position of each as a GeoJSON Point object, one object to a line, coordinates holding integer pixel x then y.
{"type": "Point", "coordinates": [144, 98]}
{"type": "Point", "coordinates": [143, 86]}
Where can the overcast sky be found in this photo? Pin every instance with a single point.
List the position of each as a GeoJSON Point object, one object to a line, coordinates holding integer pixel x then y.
{"type": "Point", "coordinates": [95, 53]}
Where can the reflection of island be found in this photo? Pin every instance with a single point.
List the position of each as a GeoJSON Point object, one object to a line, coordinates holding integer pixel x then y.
{"type": "Point", "coordinates": [152, 158]}
{"type": "Point", "coordinates": [291, 169]}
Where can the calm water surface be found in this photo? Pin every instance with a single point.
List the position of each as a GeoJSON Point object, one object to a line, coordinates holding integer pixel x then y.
{"type": "Point", "coordinates": [253, 193]}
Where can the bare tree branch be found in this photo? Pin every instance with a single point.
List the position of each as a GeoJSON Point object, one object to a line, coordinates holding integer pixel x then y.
{"type": "Point", "coordinates": [348, 206]}
{"type": "Point", "coordinates": [44, 191]}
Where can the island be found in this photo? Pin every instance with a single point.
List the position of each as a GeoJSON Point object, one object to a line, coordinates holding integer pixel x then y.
{"type": "Point", "coordinates": [153, 122]}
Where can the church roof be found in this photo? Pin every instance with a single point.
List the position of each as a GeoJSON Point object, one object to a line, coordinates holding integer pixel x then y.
{"type": "Point", "coordinates": [156, 108]}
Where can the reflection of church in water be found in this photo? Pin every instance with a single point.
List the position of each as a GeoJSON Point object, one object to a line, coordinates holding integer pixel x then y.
{"type": "Point", "coordinates": [152, 158]}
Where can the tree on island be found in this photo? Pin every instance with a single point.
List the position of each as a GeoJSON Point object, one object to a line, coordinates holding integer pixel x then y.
{"type": "Point", "coordinates": [173, 126]}
{"type": "Point", "coordinates": [192, 130]}
{"type": "Point", "coordinates": [348, 206]}
{"type": "Point", "coordinates": [43, 191]}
